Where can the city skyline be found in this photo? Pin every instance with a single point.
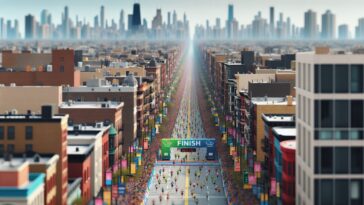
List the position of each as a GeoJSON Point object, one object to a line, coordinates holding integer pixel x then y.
{"type": "Point", "coordinates": [244, 12]}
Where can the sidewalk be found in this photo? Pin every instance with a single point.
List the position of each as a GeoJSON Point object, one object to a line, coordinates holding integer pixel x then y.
{"type": "Point", "coordinates": [137, 187]}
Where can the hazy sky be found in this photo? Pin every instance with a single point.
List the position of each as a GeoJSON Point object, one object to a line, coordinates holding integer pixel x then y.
{"type": "Point", "coordinates": [347, 11]}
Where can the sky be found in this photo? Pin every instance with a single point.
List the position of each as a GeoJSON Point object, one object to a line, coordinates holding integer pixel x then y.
{"type": "Point", "coordinates": [347, 11]}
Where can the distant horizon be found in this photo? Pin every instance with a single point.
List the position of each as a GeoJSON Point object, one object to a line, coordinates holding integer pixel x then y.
{"type": "Point", "coordinates": [197, 11]}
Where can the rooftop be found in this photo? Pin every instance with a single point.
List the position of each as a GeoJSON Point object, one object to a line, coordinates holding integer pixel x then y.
{"type": "Point", "coordinates": [35, 159]}
{"type": "Point", "coordinates": [35, 181]}
{"type": "Point", "coordinates": [79, 149]}
{"type": "Point", "coordinates": [285, 131]}
{"type": "Point", "coordinates": [12, 165]}
{"type": "Point", "coordinates": [289, 144]}
{"type": "Point", "coordinates": [90, 105]}
{"type": "Point", "coordinates": [28, 117]}
{"type": "Point", "coordinates": [271, 101]}
{"type": "Point", "coordinates": [278, 118]}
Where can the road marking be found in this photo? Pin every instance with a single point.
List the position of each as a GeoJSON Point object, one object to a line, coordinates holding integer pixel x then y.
{"type": "Point", "coordinates": [188, 136]}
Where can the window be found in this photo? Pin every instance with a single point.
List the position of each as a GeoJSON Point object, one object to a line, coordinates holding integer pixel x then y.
{"type": "Point", "coordinates": [341, 134]}
{"type": "Point", "coordinates": [28, 148]}
{"type": "Point", "coordinates": [356, 160]}
{"type": "Point", "coordinates": [326, 113]}
{"type": "Point", "coordinates": [324, 160]}
{"type": "Point", "coordinates": [317, 112]}
{"type": "Point", "coordinates": [61, 68]}
{"type": "Point", "coordinates": [341, 192]}
{"type": "Point", "coordinates": [11, 148]}
{"type": "Point", "coordinates": [317, 78]}
{"type": "Point", "coordinates": [356, 190]}
{"type": "Point", "coordinates": [357, 113]}
{"type": "Point", "coordinates": [1, 133]}
{"type": "Point", "coordinates": [2, 151]}
{"type": "Point", "coordinates": [341, 160]}
{"type": "Point", "coordinates": [11, 132]}
{"type": "Point", "coordinates": [341, 78]}
{"type": "Point", "coordinates": [325, 192]}
{"type": "Point", "coordinates": [356, 78]}
{"type": "Point", "coordinates": [341, 113]}
{"type": "Point", "coordinates": [323, 135]}
{"type": "Point", "coordinates": [326, 78]}
{"type": "Point", "coordinates": [28, 132]}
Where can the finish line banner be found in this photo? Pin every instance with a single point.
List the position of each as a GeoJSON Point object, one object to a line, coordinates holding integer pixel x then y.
{"type": "Point", "coordinates": [168, 143]}
{"type": "Point", "coordinates": [187, 143]}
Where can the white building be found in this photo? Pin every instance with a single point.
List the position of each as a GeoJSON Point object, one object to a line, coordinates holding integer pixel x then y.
{"type": "Point", "coordinates": [329, 111]}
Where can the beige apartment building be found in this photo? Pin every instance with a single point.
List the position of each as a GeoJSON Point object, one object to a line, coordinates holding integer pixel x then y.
{"type": "Point", "coordinates": [24, 98]}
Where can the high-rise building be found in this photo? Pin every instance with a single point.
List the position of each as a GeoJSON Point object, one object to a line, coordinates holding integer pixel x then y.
{"type": "Point", "coordinates": [169, 18]}
{"type": "Point", "coordinates": [330, 100]}
{"type": "Point", "coordinates": [121, 22]}
{"type": "Point", "coordinates": [259, 27]}
{"type": "Point", "coordinates": [157, 20]}
{"type": "Point", "coordinates": [44, 17]}
{"type": "Point", "coordinates": [137, 19]}
{"type": "Point", "coordinates": [102, 17]}
{"type": "Point", "coordinates": [130, 22]}
{"type": "Point", "coordinates": [344, 32]}
{"type": "Point", "coordinates": [359, 29]}
{"type": "Point", "coordinates": [30, 28]}
{"type": "Point", "coordinates": [2, 28]}
{"type": "Point", "coordinates": [66, 23]}
{"type": "Point", "coordinates": [288, 28]}
{"type": "Point", "coordinates": [96, 21]}
{"type": "Point", "coordinates": [230, 20]}
{"type": "Point", "coordinates": [328, 26]}
{"type": "Point", "coordinates": [271, 21]}
{"type": "Point", "coordinates": [174, 18]}
{"type": "Point", "coordinates": [310, 25]}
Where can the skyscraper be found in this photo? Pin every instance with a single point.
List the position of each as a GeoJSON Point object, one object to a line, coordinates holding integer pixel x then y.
{"type": "Point", "coordinates": [44, 17]}
{"type": "Point", "coordinates": [230, 20]}
{"type": "Point", "coordinates": [259, 27]}
{"type": "Point", "coordinates": [359, 29]}
{"type": "Point", "coordinates": [66, 23]}
{"type": "Point", "coordinates": [130, 22]}
{"type": "Point", "coordinates": [174, 18]}
{"type": "Point", "coordinates": [343, 32]}
{"type": "Point", "coordinates": [329, 123]}
{"type": "Point", "coordinates": [169, 18]}
{"type": "Point", "coordinates": [2, 28]}
{"type": "Point", "coordinates": [96, 21]}
{"type": "Point", "coordinates": [310, 25]}
{"type": "Point", "coordinates": [137, 19]}
{"type": "Point", "coordinates": [157, 20]}
{"type": "Point", "coordinates": [121, 22]}
{"type": "Point", "coordinates": [230, 12]}
{"type": "Point", "coordinates": [271, 21]}
{"type": "Point", "coordinates": [328, 26]}
{"type": "Point", "coordinates": [102, 17]}
{"type": "Point", "coordinates": [30, 28]}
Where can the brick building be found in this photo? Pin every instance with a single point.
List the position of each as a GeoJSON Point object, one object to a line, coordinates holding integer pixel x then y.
{"type": "Point", "coordinates": [40, 68]}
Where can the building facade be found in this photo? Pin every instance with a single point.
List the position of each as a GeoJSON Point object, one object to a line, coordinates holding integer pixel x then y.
{"type": "Point", "coordinates": [329, 156]}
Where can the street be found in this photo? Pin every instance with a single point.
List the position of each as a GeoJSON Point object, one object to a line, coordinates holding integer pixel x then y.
{"type": "Point", "coordinates": [187, 178]}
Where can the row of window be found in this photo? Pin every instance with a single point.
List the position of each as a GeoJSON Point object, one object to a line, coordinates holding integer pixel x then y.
{"type": "Point", "coordinates": [339, 192]}
{"type": "Point", "coordinates": [339, 160]}
{"type": "Point", "coordinates": [339, 113]}
{"type": "Point", "coordinates": [339, 134]}
{"type": "Point", "coordinates": [11, 149]}
{"type": "Point", "coordinates": [10, 134]}
{"type": "Point", "coordinates": [339, 78]}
